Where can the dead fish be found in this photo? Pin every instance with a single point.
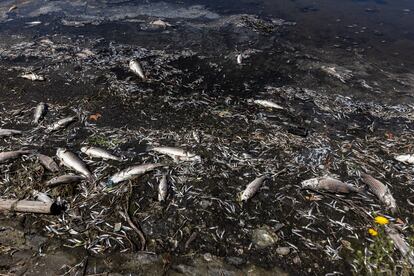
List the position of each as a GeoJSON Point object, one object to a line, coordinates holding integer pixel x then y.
{"type": "Point", "coordinates": [163, 188]}
{"type": "Point", "coordinates": [252, 188]}
{"type": "Point", "coordinates": [9, 132]}
{"type": "Point", "coordinates": [268, 104]}
{"type": "Point", "coordinates": [62, 123]}
{"type": "Point", "coordinates": [72, 161]}
{"type": "Point", "coordinates": [160, 23]}
{"type": "Point", "coordinates": [99, 153]}
{"type": "Point", "coordinates": [40, 112]}
{"type": "Point", "coordinates": [48, 162]}
{"type": "Point", "coordinates": [64, 179]}
{"type": "Point", "coordinates": [135, 67]}
{"type": "Point", "coordinates": [405, 158]}
{"type": "Point", "coordinates": [176, 153]}
{"type": "Point", "coordinates": [43, 197]}
{"type": "Point", "coordinates": [239, 59]}
{"type": "Point", "coordinates": [32, 77]}
{"type": "Point", "coordinates": [329, 184]}
{"type": "Point", "coordinates": [132, 172]}
{"type": "Point", "coordinates": [400, 243]}
{"type": "Point", "coordinates": [7, 156]}
{"type": "Point", "coordinates": [381, 191]}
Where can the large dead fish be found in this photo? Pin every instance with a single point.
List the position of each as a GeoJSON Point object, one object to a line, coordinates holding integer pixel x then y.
{"type": "Point", "coordinates": [405, 158]}
{"type": "Point", "coordinates": [329, 184]}
{"type": "Point", "coordinates": [7, 156]}
{"type": "Point", "coordinates": [163, 188]}
{"type": "Point", "coordinates": [252, 188]}
{"type": "Point", "coordinates": [381, 191]}
{"type": "Point", "coordinates": [268, 104]}
{"type": "Point", "coordinates": [32, 77]}
{"type": "Point", "coordinates": [136, 68]}
{"type": "Point", "coordinates": [62, 123]}
{"type": "Point", "coordinates": [176, 153]}
{"type": "Point", "coordinates": [9, 132]}
{"type": "Point", "coordinates": [64, 179]}
{"type": "Point", "coordinates": [71, 160]}
{"type": "Point", "coordinates": [400, 243]}
{"type": "Point", "coordinates": [40, 112]}
{"type": "Point", "coordinates": [99, 153]}
{"type": "Point", "coordinates": [48, 162]}
{"type": "Point", "coordinates": [132, 172]}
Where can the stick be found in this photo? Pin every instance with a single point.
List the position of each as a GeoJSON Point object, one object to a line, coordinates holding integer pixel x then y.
{"type": "Point", "coordinates": [29, 206]}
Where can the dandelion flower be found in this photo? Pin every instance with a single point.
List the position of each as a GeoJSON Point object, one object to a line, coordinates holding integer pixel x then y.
{"type": "Point", "coordinates": [381, 220]}
{"type": "Point", "coordinates": [373, 232]}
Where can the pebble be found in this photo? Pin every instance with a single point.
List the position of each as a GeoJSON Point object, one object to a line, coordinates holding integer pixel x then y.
{"type": "Point", "coordinates": [283, 251]}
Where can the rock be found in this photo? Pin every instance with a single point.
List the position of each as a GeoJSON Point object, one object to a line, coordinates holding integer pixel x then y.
{"type": "Point", "coordinates": [236, 261]}
{"type": "Point", "coordinates": [263, 237]}
{"type": "Point", "coordinates": [283, 251]}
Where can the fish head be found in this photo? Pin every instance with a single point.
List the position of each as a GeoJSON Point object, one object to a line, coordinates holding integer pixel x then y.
{"type": "Point", "coordinates": [84, 149]}
{"type": "Point", "coordinates": [310, 183]}
{"type": "Point", "coordinates": [60, 151]}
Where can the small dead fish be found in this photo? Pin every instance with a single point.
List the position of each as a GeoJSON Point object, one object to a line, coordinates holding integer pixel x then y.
{"type": "Point", "coordinates": [132, 172]}
{"type": "Point", "coordinates": [9, 132]}
{"type": "Point", "coordinates": [43, 197]}
{"type": "Point", "coordinates": [33, 23]}
{"type": "Point", "coordinates": [7, 156]}
{"type": "Point", "coordinates": [176, 153]}
{"type": "Point", "coordinates": [160, 23]}
{"type": "Point", "coordinates": [400, 243]}
{"type": "Point", "coordinates": [252, 188]}
{"type": "Point", "coordinates": [72, 161]}
{"type": "Point", "coordinates": [48, 162]}
{"type": "Point", "coordinates": [40, 112]}
{"type": "Point", "coordinates": [405, 158]}
{"type": "Point", "coordinates": [329, 184]}
{"type": "Point", "coordinates": [32, 77]}
{"type": "Point", "coordinates": [12, 8]}
{"type": "Point", "coordinates": [62, 123]}
{"type": "Point", "coordinates": [268, 104]}
{"type": "Point", "coordinates": [163, 188]}
{"type": "Point", "coordinates": [239, 59]}
{"type": "Point", "coordinates": [382, 192]}
{"type": "Point", "coordinates": [99, 153]}
{"type": "Point", "coordinates": [64, 179]}
{"type": "Point", "coordinates": [135, 67]}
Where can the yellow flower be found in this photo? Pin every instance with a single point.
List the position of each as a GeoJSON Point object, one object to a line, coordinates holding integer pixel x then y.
{"type": "Point", "coordinates": [381, 220]}
{"type": "Point", "coordinates": [372, 232]}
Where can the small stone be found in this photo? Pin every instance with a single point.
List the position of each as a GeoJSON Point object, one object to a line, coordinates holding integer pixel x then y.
{"type": "Point", "coordinates": [208, 257]}
{"type": "Point", "coordinates": [236, 261]}
{"type": "Point", "coordinates": [262, 237]}
{"type": "Point", "coordinates": [283, 251]}
{"type": "Point", "coordinates": [296, 260]}
{"type": "Point", "coordinates": [117, 227]}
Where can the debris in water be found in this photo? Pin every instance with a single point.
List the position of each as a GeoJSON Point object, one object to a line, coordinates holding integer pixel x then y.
{"type": "Point", "coordinates": [32, 77]}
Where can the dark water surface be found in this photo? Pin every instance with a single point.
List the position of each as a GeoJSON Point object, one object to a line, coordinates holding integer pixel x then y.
{"type": "Point", "coordinates": [341, 70]}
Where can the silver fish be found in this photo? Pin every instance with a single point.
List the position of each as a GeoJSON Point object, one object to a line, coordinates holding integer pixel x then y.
{"type": "Point", "coordinates": [239, 59]}
{"type": "Point", "coordinates": [32, 77]}
{"type": "Point", "coordinates": [40, 112]}
{"type": "Point", "coordinates": [252, 188]}
{"type": "Point", "coordinates": [400, 243]}
{"type": "Point", "coordinates": [64, 179]}
{"type": "Point", "coordinates": [72, 161]}
{"type": "Point", "coordinates": [405, 158]}
{"type": "Point", "coordinates": [48, 162]}
{"type": "Point", "coordinates": [163, 188]}
{"type": "Point", "coordinates": [135, 67]}
{"type": "Point", "coordinates": [381, 191]}
{"type": "Point", "coordinates": [43, 197]}
{"type": "Point", "coordinates": [176, 153]}
{"type": "Point", "coordinates": [132, 172]}
{"type": "Point", "coordinates": [99, 153]}
{"type": "Point", "coordinates": [9, 132]}
{"type": "Point", "coordinates": [268, 104]}
{"type": "Point", "coordinates": [329, 184]}
{"type": "Point", "coordinates": [7, 156]}
{"type": "Point", "coordinates": [62, 123]}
